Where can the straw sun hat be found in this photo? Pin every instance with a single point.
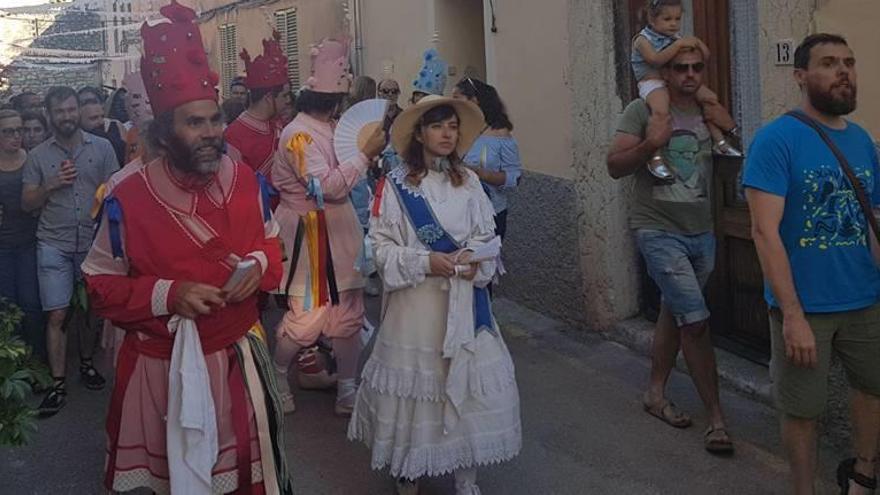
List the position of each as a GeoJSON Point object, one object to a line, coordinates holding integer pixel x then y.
{"type": "Point", "coordinates": [470, 122]}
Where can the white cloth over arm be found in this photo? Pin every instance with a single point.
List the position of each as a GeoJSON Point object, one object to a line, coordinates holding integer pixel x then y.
{"type": "Point", "coordinates": [191, 431]}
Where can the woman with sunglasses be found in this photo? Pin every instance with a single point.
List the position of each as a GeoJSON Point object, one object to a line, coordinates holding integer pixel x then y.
{"type": "Point", "coordinates": [495, 155]}
{"type": "Point", "coordinates": [18, 230]}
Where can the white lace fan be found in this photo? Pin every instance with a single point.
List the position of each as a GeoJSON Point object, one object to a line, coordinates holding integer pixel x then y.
{"type": "Point", "coordinates": [355, 127]}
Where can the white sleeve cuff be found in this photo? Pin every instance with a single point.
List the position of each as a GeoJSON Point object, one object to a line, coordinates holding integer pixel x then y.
{"type": "Point", "coordinates": [426, 263]}
{"type": "Point", "coordinates": [261, 259]}
{"type": "Point", "coordinates": [159, 299]}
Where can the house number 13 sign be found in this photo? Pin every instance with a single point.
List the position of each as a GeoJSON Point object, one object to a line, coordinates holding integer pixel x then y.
{"type": "Point", "coordinates": [785, 52]}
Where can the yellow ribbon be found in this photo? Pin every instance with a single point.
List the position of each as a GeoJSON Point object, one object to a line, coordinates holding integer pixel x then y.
{"type": "Point", "coordinates": [100, 195]}
{"type": "Point", "coordinates": [297, 146]}
{"type": "Point", "coordinates": [311, 226]}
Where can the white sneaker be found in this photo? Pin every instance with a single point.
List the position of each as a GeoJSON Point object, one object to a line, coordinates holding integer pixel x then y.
{"type": "Point", "coordinates": [346, 393]}
{"type": "Point", "coordinates": [467, 489]}
{"type": "Point", "coordinates": [466, 482]}
{"type": "Point", "coordinates": [406, 487]}
{"type": "Point", "coordinates": [287, 405]}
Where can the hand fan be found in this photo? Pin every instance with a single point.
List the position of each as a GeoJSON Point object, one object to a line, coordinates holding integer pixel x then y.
{"type": "Point", "coordinates": [355, 127]}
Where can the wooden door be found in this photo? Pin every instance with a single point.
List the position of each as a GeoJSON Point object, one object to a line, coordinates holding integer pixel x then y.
{"type": "Point", "coordinates": [736, 291]}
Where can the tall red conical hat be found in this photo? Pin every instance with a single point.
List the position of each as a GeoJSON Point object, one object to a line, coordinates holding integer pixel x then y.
{"type": "Point", "coordinates": [174, 65]}
{"type": "Point", "coordinates": [268, 70]}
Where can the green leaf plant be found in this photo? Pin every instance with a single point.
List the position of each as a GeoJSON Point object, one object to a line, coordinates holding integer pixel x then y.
{"type": "Point", "coordinates": [19, 374]}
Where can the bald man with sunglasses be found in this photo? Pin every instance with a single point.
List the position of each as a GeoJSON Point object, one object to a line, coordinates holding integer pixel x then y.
{"type": "Point", "coordinates": [673, 225]}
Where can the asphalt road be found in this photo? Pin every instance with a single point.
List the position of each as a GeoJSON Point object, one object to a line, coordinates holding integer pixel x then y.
{"type": "Point", "coordinates": [584, 433]}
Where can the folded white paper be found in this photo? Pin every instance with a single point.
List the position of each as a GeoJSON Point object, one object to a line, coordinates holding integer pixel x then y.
{"type": "Point", "coordinates": [488, 251]}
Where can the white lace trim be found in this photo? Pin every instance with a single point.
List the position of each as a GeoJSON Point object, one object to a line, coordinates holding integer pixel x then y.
{"type": "Point", "coordinates": [398, 175]}
{"type": "Point", "coordinates": [438, 459]}
{"type": "Point", "coordinates": [493, 377]}
{"type": "Point", "coordinates": [159, 299]}
{"type": "Point", "coordinates": [124, 481]}
{"type": "Point", "coordinates": [403, 382]}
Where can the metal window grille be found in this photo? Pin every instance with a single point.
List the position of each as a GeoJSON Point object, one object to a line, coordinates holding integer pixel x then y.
{"type": "Point", "coordinates": [228, 57]}
{"type": "Point", "coordinates": [286, 24]}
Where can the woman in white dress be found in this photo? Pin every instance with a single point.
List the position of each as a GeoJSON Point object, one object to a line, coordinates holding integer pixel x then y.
{"type": "Point", "coordinates": [438, 393]}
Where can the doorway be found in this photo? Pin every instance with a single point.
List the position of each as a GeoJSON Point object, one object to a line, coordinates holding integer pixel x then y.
{"type": "Point", "coordinates": [460, 38]}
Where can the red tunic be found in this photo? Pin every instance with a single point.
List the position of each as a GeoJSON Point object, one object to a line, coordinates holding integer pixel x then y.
{"type": "Point", "coordinates": [157, 246]}
{"type": "Point", "coordinates": [256, 140]}
{"type": "Point", "coordinates": [169, 233]}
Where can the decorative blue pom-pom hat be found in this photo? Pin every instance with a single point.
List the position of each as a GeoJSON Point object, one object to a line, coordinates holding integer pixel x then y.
{"type": "Point", "coordinates": [432, 76]}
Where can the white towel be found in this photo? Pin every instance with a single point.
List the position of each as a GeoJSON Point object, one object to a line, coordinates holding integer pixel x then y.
{"type": "Point", "coordinates": [459, 347]}
{"type": "Point", "coordinates": [191, 431]}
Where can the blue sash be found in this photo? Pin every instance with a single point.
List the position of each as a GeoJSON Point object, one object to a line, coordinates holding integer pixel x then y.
{"type": "Point", "coordinates": [432, 235]}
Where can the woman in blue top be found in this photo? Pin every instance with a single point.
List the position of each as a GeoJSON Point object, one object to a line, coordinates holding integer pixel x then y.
{"type": "Point", "coordinates": [495, 154]}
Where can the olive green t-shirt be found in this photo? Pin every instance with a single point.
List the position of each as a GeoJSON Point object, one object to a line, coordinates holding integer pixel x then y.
{"type": "Point", "coordinates": [682, 207]}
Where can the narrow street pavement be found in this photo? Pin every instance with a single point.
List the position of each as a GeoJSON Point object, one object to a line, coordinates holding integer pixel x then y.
{"type": "Point", "coordinates": [584, 433]}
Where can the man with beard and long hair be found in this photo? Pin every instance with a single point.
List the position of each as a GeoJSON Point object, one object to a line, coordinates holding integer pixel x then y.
{"type": "Point", "coordinates": [183, 246]}
{"type": "Point", "coordinates": [814, 243]}
{"type": "Point", "coordinates": [60, 178]}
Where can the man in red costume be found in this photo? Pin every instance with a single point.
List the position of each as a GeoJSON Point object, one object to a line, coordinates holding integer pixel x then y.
{"type": "Point", "coordinates": [254, 134]}
{"type": "Point", "coordinates": [194, 409]}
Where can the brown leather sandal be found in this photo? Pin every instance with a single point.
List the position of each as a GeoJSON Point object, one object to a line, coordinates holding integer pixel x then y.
{"type": "Point", "coordinates": [667, 412]}
{"type": "Point", "coordinates": [717, 441]}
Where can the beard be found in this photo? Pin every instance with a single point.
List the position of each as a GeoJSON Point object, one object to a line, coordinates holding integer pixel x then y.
{"type": "Point", "coordinates": [826, 102]}
{"type": "Point", "coordinates": [201, 158]}
{"type": "Point", "coordinates": [65, 128]}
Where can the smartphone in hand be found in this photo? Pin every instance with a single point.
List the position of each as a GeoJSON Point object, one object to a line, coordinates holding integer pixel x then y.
{"type": "Point", "coordinates": [241, 270]}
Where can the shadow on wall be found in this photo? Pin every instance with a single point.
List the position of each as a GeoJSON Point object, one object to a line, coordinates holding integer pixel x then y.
{"type": "Point", "coordinates": [541, 249]}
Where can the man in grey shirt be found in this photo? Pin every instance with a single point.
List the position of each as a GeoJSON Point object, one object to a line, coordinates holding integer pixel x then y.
{"type": "Point", "coordinates": [61, 177]}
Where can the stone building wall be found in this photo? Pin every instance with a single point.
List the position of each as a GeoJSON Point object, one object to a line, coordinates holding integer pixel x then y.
{"type": "Point", "coordinates": [37, 70]}
{"type": "Point", "coordinates": [39, 80]}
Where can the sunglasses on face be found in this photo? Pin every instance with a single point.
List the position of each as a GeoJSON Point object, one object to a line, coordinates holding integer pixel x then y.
{"type": "Point", "coordinates": [389, 91]}
{"type": "Point", "coordinates": [11, 131]}
{"type": "Point", "coordinates": [684, 68]}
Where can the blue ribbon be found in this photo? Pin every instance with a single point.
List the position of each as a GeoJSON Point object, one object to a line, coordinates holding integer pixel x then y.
{"type": "Point", "coordinates": [433, 235]}
{"type": "Point", "coordinates": [314, 191]}
{"type": "Point", "coordinates": [267, 192]}
{"type": "Point", "coordinates": [114, 220]}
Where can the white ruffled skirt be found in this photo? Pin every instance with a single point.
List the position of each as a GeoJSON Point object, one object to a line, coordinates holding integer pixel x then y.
{"type": "Point", "coordinates": [402, 411]}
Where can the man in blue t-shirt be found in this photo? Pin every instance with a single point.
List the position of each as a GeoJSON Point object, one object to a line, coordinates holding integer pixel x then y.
{"type": "Point", "coordinates": [823, 285]}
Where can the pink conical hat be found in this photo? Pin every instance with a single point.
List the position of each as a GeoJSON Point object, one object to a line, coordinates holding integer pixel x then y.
{"type": "Point", "coordinates": [330, 67]}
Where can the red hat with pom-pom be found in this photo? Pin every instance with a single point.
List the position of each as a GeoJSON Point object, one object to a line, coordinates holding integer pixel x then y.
{"type": "Point", "coordinates": [268, 70]}
{"type": "Point", "coordinates": [174, 65]}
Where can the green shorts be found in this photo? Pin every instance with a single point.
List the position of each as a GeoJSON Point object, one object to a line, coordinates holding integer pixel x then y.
{"type": "Point", "coordinates": [853, 335]}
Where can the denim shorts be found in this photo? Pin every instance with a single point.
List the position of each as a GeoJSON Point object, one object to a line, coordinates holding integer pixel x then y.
{"type": "Point", "coordinates": [680, 266]}
{"type": "Point", "coordinates": [58, 272]}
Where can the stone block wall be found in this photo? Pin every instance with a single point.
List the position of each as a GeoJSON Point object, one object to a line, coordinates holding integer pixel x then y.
{"type": "Point", "coordinates": [39, 71]}
{"type": "Point", "coordinates": [39, 80]}
{"type": "Point", "coordinates": [541, 249]}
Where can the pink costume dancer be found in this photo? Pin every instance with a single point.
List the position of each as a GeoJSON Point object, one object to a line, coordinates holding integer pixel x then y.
{"type": "Point", "coordinates": [313, 184]}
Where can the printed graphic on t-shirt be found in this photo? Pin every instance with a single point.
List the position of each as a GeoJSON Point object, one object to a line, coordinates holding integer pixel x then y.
{"type": "Point", "coordinates": [683, 157]}
{"type": "Point", "coordinates": [833, 217]}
